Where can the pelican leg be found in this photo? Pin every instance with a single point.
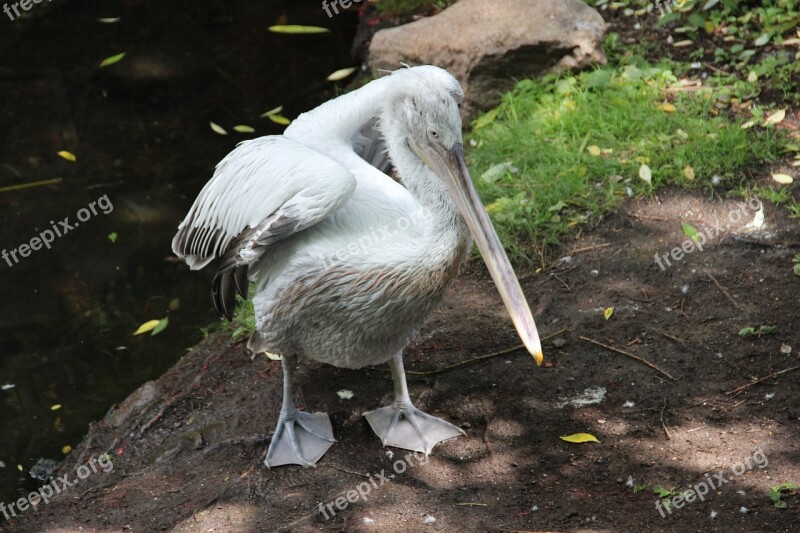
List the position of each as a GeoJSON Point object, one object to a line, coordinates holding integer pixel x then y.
{"type": "Point", "coordinates": [300, 438]}
{"type": "Point", "coordinates": [404, 426]}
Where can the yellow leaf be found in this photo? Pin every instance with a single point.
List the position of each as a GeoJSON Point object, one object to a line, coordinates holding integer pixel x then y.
{"type": "Point", "coordinates": [217, 128]}
{"type": "Point", "coordinates": [752, 77]}
{"type": "Point", "coordinates": [578, 438]}
{"type": "Point", "coordinates": [776, 117]}
{"type": "Point", "coordinates": [66, 449]}
{"type": "Point", "coordinates": [667, 107]}
{"type": "Point", "coordinates": [608, 312]}
{"type": "Point", "coordinates": [147, 326]}
{"type": "Point", "coordinates": [646, 174]}
{"type": "Point", "coordinates": [273, 356]}
{"type": "Point", "coordinates": [55, 407]}
{"type": "Point", "coordinates": [278, 119]}
{"type": "Point", "coordinates": [275, 111]}
{"type": "Point", "coordinates": [244, 129]}
{"type": "Point", "coordinates": [783, 179]}
{"type": "Point", "coordinates": [297, 29]}
{"type": "Point", "coordinates": [688, 171]}
{"type": "Point", "coordinates": [341, 74]}
{"type": "Point", "coordinates": [174, 304]}
{"type": "Point", "coordinates": [69, 156]}
{"type": "Point", "coordinates": [594, 150]}
{"type": "Point", "coordinates": [111, 60]}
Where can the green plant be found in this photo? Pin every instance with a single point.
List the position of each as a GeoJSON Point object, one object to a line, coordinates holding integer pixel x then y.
{"type": "Point", "coordinates": [778, 491]}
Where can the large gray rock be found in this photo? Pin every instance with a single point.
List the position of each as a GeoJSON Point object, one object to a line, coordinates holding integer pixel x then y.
{"type": "Point", "coordinates": [487, 44]}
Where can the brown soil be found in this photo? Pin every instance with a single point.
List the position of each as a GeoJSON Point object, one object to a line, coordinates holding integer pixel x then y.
{"type": "Point", "coordinates": [188, 449]}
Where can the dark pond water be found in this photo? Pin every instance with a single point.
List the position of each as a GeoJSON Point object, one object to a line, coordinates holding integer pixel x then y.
{"type": "Point", "coordinates": [140, 132]}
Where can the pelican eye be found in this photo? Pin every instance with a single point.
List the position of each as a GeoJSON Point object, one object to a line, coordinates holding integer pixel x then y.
{"type": "Point", "coordinates": [433, 133]}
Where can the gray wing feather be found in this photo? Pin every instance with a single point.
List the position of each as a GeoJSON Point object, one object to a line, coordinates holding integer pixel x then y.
{"type": "Point", "coordinates": [264, 191]}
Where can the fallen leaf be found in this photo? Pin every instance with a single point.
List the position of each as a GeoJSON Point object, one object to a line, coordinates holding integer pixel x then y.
{"type": "Point", "coordinates": [69, 156]}
{"type": "Point", "coordinates": [667, 107]}
{"type": "Point", "coordinates": [275, 111]}
{"type": "Point", "coordinates": [752, 77]}
{"type": "Point", "coordinates": [764, 39]}
{"type": "Point", "coordinates": [107, 62]}
{"type": "Point", "coordinates": [66, 449]}
{"type": "Point", "coordinates": [342, 74]}
{"type": "Point", "coordinates": [608, 312]}
{"type": "Point", "coordinates": [273, 356]}
{"type": "Point", "coordinates": [646, 174]}
{"type": "Point", "coordinates": [579, 438]}
{"type": "Point", "coordinates": [241, 128]}
{"type": "Point", "coordinates": [174, 304]}
{"type": "Point", "coordinates": [113, 237]}
{"type": "Point", "coordinates": [783, 179]}
{"type": "Point", "coordinates": [162, 324]}
{"type": "Point", "coordinates": [278, 119]}
{"type": "Point", "coordinates": [55, 407]}
{"type": "Point", "coordinates": [594, 150]}
{"type": "Point", "coordinates": [688, 172]}
{"type": "Point", "coordinates": [776, 117]}
{"type": "Point", "coordinates": [690, 231]}
{"type": "Point", "coordinates": [147, 326]}
{"type": "Point", "coordinates": [216, 128]}
{"type": "Point", "coordinates": [295, 29]}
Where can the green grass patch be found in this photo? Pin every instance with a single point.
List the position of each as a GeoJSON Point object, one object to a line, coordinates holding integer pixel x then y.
{"type": "Point", "coordinates": [407, 6]}
{"type": "Point", "coordinates": [558, 153]}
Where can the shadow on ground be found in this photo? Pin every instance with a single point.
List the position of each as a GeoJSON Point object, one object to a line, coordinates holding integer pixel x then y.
{"type": "Point", "coordinates": [188, 448]}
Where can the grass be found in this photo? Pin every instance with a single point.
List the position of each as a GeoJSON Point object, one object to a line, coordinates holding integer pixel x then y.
{"type": "Point", "coordinates": [558, 153]}
{"type": "Point", "coordinates": [407, 6]}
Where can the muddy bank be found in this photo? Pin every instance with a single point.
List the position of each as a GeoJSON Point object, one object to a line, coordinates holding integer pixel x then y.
{"type": "Point", "coordinates": [187, 449]}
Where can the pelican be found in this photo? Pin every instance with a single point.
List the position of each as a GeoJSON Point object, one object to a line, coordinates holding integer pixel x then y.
{"type": "Point", "coordinates": [348, 263]}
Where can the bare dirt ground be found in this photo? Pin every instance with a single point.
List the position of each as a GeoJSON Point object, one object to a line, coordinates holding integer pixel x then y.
{"type": "Point", "coordinates": [188, 448]}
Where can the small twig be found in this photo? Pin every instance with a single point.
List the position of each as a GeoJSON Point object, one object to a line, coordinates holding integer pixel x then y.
{"type": "Point", "coordinates": [647, 217]}
{"type": "Point", "coordinates": [724, 291]}
{"type": "Point", "coordinates": [42, 183]}
{"type": "Point", "coordinates": [243, 441]}
{"type": "Point", "coordinates": [737, 390]}
{"type": "Point", "coordinates": [663, 425]}
{"type": "Point", "coordinates": [667, 335]}
{"type": "Point", "coordinates": [346, 471]}
{"type": "Point", "coordinates": [695, 429]}
{"type": "Point", "coordinates": [480, 358]}
{"type": "Point", "coordinates": [472, 504]}
{"type": "Point", "coordinates": [623, 352]}
{"type": "Point", "coordinates": [566, 285]}
{"type": "Point", "coordinates": [590, 248]}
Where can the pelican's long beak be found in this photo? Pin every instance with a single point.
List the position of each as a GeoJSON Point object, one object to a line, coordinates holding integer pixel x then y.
{"type": "Point", "coordinates": [452, 168]}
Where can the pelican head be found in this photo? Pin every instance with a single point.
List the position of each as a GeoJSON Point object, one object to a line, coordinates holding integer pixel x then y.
{"type": "Point", "coordinates": [421, 121]}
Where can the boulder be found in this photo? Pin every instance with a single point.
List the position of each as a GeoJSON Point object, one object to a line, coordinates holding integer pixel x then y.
{"type": "Point", "coordinates": [488, 44]}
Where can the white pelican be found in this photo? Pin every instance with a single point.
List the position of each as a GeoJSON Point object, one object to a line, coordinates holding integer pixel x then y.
{"type": "Point", "coordinates": [348, 263]}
